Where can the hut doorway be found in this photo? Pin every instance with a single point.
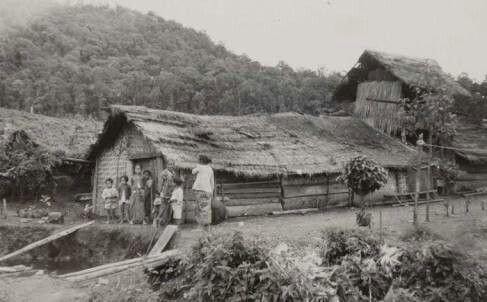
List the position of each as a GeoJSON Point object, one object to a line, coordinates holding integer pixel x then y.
{"type": "Point", "coordinates": [154, 164]}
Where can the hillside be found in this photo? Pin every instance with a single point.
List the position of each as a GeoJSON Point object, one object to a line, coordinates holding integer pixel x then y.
{"type": "Point", "coordinates": [78, 59]}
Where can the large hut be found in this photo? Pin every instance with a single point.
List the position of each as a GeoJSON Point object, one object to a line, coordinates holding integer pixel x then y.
{"type": "Point", "coordinates": [262, 163]}
{"type": "Point", "coordinates": [373, 88]}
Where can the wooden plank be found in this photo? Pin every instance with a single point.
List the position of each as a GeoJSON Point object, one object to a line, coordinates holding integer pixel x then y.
{"type": "Point", "coordinates": [245, 202]}
{"type": "Point", "coordinates": [164, 239]}
{"type": "Point", "coordinates": [251, 189]}
{"type": "Point", "coordinates": [301, 202]}
{"type": "Point", "coordinates": [272, 183]}
{"type": "Point", "coordinates": [113, 268]}
{"type": "Point", "coordinates": [253, 210]}
{"type": "Point", "coordinates": [46, 240]}
{"type": "Point", "coordinates": [297, 211]}
{"type": "Point", "coordinates": [251, 195]}
{"type": "Point", "coordinates": [382, 101]}
{"type": "Point", "coordinates": [305, 190]}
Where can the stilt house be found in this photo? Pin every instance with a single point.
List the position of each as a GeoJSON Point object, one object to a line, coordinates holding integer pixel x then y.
{"type": "Point", "coordinates": [373, 88]}
{"type": "Point", "coordinates": [262, 163]}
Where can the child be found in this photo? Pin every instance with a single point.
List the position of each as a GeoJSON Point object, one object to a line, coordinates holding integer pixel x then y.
{"type": "Point", "coordinates": [110, 196]}
{"type": "Point", "coordinates": [124, 191]}
{"type": "Point", "coordinates": [156, 209]}
{"type": "Point", "coordinates": [177, 201]}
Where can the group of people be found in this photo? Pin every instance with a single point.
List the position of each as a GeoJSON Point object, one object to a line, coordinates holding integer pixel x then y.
{"type": "Point", "coordinates": [142, 201]}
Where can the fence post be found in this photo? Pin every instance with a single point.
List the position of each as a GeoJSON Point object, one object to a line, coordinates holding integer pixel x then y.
{"type": "Point", "coordinates": [467, 204]}
{"type": "Point", "coordinates": [4, 208]}
{"type": "Point", "coordinates": [446, 205]}
{"type": "Point", "coordinates": [453, 209]}
{"type": "Point", "coordinates": [427, 219]}
{"type": "Point", "coordinates": [482, 205]}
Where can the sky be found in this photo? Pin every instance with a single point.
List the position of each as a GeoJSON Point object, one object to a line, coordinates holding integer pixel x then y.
{"type": "Point", "coordinates": [333, 33]}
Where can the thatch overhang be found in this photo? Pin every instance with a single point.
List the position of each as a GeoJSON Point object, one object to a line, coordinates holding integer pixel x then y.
{"type": "Point", "coordinates": [257, 145]}
{"type": "Point", "coordinates": [71, 137]}
{"type": "Point", "coordinates": [471, 142]}
{"type": "Point", "coordinates": [413, 72]}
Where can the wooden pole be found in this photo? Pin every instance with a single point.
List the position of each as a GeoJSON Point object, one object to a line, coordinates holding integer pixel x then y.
{"type": "Point", "coordinates": [4, 208]}
{"type": "Point", "coordinates": [467, 205]}
{"type": "Point", "coordinates": [482, 205]}
{"type": "Point", "coordinates": [427, 219]}
{"type": "Point", "coordinates": [420, 144]}
{"type": "Point", "coordinates": [453, 209]}
{"type": "Point", "coordinates": [380, 226]}
{"type": "Point", "coordinates": [447, 208]}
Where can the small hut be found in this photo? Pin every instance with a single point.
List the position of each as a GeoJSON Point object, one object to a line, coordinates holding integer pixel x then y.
{"type": "Point", "coordinates": [470, 142]}
{"type": "Point", "coordinates": [68, 138]}
{"type": "Point", "coordinates": [373, 87]}
{"type": "Point", "coordinates": [262, 163]}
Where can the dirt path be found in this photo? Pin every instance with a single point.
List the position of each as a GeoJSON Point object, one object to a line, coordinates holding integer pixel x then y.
{"type": "Point", "coordinates": [40, 288]}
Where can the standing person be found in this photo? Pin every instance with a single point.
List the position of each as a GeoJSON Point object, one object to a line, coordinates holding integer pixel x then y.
{"type": "Point", "coordinates": [124, 192]}
{"type": "Point", "coordinates": [165, 181]}
{"type": "Point", "coordinates": [177, 201]}
{"type": "Point", "coordinates": [203, 186]}
{"type": "Point", "coordinates": [149, 194]}
{"type": "Point", "coordinates": [137, 197]}
{"type": "Point", "coordinates": [110, 196]}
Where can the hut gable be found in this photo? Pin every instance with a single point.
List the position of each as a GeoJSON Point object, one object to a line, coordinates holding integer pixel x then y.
{"type": "Point", "coordinates": [255, 145]}
{"type": "Point", "coordinates": [413, 72]}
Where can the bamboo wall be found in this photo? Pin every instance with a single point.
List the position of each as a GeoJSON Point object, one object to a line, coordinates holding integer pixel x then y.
{"type": "Point", "coordinates": [380, 115]}
{"type": "Point", "coordinates": [114, 162]}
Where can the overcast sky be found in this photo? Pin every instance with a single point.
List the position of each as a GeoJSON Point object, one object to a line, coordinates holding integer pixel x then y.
{"type": "Point", "coordinates": [333, 33]}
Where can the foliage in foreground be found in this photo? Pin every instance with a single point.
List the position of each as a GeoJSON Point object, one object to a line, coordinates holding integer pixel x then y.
{"type": "Point", "coordinates": [346, 266]}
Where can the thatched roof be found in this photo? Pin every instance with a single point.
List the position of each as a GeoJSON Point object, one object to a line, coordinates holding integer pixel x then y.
{"type": "Point", "coordinates": [71, 136]}
{"type": "Point", "coordinates": [414, 72]}
{"type": "Point", "coordinates": [258, 145]}
{"type": "Point", "coordinates": [472, 139]}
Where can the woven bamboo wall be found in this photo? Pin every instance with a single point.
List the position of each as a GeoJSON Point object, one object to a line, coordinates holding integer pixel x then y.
{"type": "Point", "coordinates": [384, 116]}
{"type": "Point", "coordinates": [114, 162]}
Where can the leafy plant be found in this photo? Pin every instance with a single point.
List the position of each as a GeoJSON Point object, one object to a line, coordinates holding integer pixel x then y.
{"type": "Point", "coordinates": [363, 176]}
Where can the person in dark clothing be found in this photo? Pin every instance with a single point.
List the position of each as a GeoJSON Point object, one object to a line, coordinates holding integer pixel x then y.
{"type": "Point", "coordinates": [148, 195]}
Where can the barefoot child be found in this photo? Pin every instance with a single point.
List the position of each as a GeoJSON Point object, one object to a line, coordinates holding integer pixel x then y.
{"type": "Point", "coordinates": [124, 191]}
{"type": "Point", "coordinates": [177, 201]}
{"type": "Point", "coordinates": [110, 196]}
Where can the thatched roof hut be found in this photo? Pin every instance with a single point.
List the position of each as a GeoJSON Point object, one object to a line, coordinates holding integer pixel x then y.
{"type": "Point", "coordinates": [257, 145]}
{"type": "Point", "coordinates": [413, 72]}
{"type": "Point", "coordinates": [262, 163]}
{"type": "Point", "coordinates": [70, 136]}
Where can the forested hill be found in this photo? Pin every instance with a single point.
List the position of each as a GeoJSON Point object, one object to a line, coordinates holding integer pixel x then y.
{"type": "Point", "coordinates": [78, 59]}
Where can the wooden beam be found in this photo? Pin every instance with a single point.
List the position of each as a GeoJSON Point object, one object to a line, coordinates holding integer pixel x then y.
{"type": "Point", "coordinates": [113, 268]}
{"type": "Point", "coordinates": [382, 101]}
{"type": "Point", "coordinates": [164, 239]}
{"type": "Point", "coordinates": [78, 160]}
{"type": "Point", "coordinates": [46, 240]}
{"type": "Point", "coordinates": [145, 155]}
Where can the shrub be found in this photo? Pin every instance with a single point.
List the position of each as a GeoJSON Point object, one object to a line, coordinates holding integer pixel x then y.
{"type": "Point", "coordinates": [363, 176]}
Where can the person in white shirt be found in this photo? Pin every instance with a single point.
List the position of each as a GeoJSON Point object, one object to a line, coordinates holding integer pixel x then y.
{"type": "Point", "coordinates": [176, 201]}
{"type": "Point", "coordinates": [203, 187]}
